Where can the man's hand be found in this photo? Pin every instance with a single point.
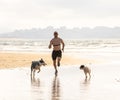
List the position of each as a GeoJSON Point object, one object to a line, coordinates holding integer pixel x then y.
{"type": "Point", "coordinates": [63, 49]}
{"type": "Point", "coordinates": [49, 46]}
{"type": "Point", "coordinates": [63, 45]}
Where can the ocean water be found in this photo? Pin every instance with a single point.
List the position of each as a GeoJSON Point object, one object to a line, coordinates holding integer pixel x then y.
{"type": "Point", "coordinates": [76, 46]}
{"type": "Point", "coordinates": [88, 48]}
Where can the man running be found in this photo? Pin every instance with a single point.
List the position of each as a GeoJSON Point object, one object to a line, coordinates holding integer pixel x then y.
{"type": "Point", "coordinates": [56, 53]}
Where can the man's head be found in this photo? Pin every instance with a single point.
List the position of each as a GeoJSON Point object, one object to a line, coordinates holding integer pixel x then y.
{"type": "Point", "coordinates": [55, 34]}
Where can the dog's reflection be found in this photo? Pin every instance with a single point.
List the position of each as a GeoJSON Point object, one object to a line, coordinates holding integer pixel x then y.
{"type": "Point", "coordinates": [35, 81]}
{"type": "Point", "coordinates": [84, 84]}
{"type": "Point", "coordinates": [55, 89]}
{"type": "Point", "coordinates": [87, 81]}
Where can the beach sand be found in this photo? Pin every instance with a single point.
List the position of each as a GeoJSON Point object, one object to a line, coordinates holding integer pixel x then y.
{"type": "Point", "coordinates": [16, 59]}
{"type": "Point", "coordinates": [70, 84]}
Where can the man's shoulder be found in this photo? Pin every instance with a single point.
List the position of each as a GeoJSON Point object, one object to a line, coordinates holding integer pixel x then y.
{"type": "Point", "coordinates": [60, 38]}
{"type": "Point", "coordinates": [52, 39]}
{"type": "Point", "coordinates": [55, 39]}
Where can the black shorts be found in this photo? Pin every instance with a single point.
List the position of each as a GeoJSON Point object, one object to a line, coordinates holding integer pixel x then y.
{"type": "Point", "coordinates": [56, 54]}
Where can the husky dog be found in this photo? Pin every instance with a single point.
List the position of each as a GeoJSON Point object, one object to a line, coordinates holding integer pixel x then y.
{"type": "Point", "coordinates": [36, 65]}
{"type": "Point", "coordinates": [86, 70]}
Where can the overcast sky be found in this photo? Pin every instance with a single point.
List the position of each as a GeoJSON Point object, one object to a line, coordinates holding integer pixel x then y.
{"type": "Point", "coordinates": [27, 14]}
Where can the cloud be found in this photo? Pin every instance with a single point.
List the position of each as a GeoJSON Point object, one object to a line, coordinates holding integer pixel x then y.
{"type": "Point", "coordinates": [96, 8]}
{"type": "Point", "coordinates": [35, 13]}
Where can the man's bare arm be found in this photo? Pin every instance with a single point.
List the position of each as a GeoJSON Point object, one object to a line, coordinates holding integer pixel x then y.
{"type": "Point", "coordinates": [63, 45]}
{"type": "Point", "coordinates": [50, 45]}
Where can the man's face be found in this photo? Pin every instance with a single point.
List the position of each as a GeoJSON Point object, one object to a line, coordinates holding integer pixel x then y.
{"type": "Point", "coordinates": [55, 34]}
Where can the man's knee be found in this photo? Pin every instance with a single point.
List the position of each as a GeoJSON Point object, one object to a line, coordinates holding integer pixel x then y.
{"type": "Point", "coordinates": [59, 58]}
{"type": "Point", "coordinates": [54, 61]}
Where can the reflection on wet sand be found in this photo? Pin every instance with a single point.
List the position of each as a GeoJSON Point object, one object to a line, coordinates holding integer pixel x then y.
{"type": "Point", "coordinates": [84, 85]}
{"type": "Point", "coordinates": [37, 89]}
{"type": "Point", "coordinates": [35, 82]}
{"type": "Point", "coordinates": [87, 81]}
{"type": "Point", "coordinates": [55, 89]}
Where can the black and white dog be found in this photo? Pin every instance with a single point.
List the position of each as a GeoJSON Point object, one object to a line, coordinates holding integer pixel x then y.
{"type": "Point", "coordinates": [36, 66]}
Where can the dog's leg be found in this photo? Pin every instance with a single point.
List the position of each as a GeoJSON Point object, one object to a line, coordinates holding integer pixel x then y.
{"type": "Point", "coordinates": [34, 72]}
{"type": "Point", "coordinates": [85, 74]}
{"type": "Point", "coordinates": [89, 75]}
{"type": "Point", "coordinates": [38, 70]}
{"type": "Point", "coordinates": [31, 70]}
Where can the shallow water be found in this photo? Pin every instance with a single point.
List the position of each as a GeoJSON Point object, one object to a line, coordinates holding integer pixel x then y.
{"type": "Point", "coordinates": [70, 84]}
{"type": "Point", "coordinates": [71, 45]}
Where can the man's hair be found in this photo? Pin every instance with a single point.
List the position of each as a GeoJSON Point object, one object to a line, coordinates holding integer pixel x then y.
{"type": "Point", "coordinates": [55, 32]}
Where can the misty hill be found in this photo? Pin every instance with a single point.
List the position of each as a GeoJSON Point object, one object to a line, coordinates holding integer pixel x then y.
{"type": "Point", "coordinates": [75, 33]}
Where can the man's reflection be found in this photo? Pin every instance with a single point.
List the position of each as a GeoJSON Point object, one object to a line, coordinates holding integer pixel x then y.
{"type": "Point", "coordinates": [55, 89]}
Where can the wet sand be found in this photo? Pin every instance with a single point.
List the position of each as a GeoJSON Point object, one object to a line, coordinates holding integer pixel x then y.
{"type": "Point", "coordinates": [70, 84]}
{"type": "Point", "coordinates": [17, 59]}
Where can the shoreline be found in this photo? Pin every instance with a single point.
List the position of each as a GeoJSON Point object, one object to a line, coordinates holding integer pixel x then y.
{"type": "Point", "coordinates": [24, 59]}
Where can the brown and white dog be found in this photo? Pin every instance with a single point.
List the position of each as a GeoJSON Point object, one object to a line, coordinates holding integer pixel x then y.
{"type": "Point", "coordinates": [86, 70]}
{"type": "Point", "coordinates": [36, 66]}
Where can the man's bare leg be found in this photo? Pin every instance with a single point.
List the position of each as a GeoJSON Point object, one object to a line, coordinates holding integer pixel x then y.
{"type": "Point", "coordinates": [59, 59]}
{"type": "Point", "coordinates": [54, 63]}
